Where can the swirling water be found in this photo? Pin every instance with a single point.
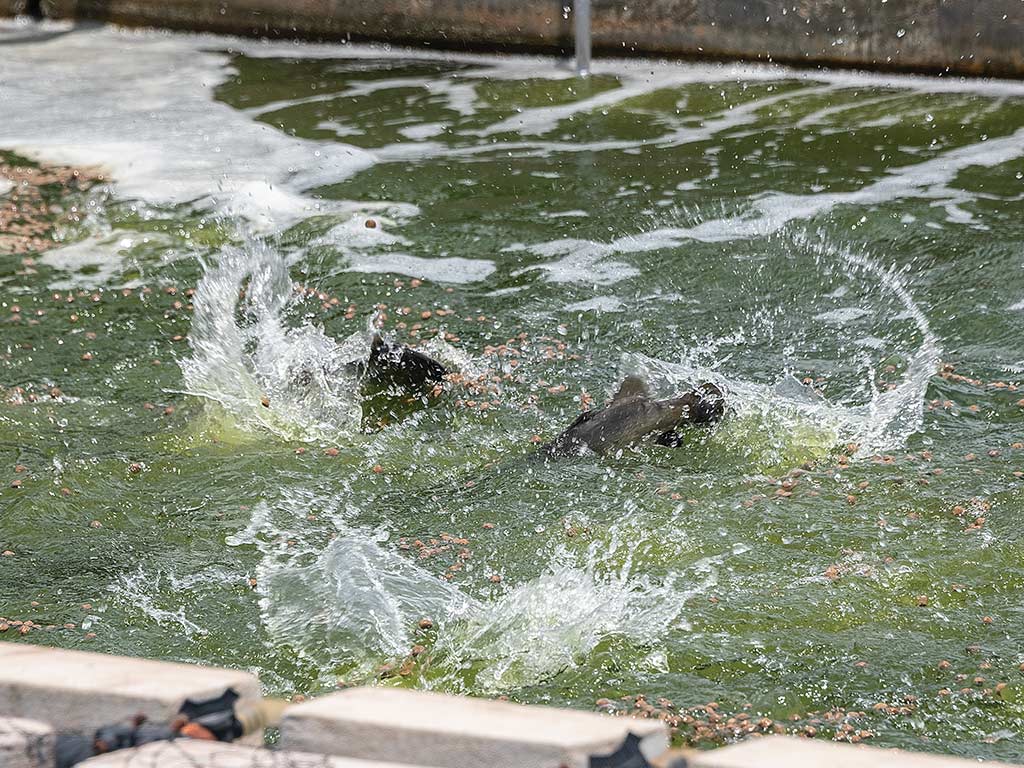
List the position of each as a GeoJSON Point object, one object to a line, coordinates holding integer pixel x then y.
{"type": "Point", "coordinates": [819, 244]}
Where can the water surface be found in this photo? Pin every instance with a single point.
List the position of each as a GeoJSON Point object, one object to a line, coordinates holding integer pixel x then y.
{"type": "Point", "coordinates": [842, 253]}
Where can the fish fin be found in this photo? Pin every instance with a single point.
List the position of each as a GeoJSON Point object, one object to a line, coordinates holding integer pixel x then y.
{"type": "Point", "coordinates": [566, 444]}
{"type": "Point", "coordinates": [584, 417]}
{"type": "Point", "coordinates": [421, 367]}
{"type": "Point", "coordinates": [631, 386]}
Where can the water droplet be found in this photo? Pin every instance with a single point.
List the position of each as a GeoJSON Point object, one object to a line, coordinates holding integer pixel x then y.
{"type": "Point", "coordinates": [901, 32]}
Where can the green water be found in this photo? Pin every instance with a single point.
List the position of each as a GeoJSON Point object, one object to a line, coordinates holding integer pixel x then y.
{"type": "Point", "coordinates": [858, 247]}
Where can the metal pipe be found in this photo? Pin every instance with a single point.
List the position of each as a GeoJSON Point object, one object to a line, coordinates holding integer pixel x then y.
{"type": "Point", "coordinates": [581, 19]}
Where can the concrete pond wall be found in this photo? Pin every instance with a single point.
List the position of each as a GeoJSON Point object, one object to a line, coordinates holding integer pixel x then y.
{"type": "Point", "coordinates": [44, 691]}
{"type": "Point", "coordinates": [970, 37]}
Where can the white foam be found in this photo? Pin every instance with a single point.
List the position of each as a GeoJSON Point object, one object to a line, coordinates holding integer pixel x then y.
{"type": "Point", "coordinates": [582, 261]}
{"type": "Point", "coordinates": [639, 78]}
{"type": "Point", "coordinates": [769, 213]}
{"type": "Point", "coordinates": [267, 207]}
{"type": "Point", "coordinates": [362, 249]}
{"type": "Point", "coordinates": [460, 97]}
{"type": "Point", "coordinates": [453, 269]}
{"type": "Point", "coordinates": [159, 132]}
{"type": "Point", "coordinates": [544, 119]}
{"type": "Point", "coordinates": [521, 67]}
{"type": "Point", "coordinates": [842, 316]}
{"type": "Point", "coordinates": [166, 141]}
{"type": "Point", "coordinates": [574, 214]}
{"type": "Point", "coordinates": [826, 114]}
{"type": "Point", "coordinates": [423, 130]}
{"type": "Point", "coordinates": [140, 590]}
{"type": "Point", "coordinates": [340, 129]}
{"type": "Point", "coordinates": [96, 260]}
{"type": "Point", "coordinates": [6, 185]}
{"type": "Point", "coordinates": [597, 304]}
{"type": "Point", "coordinates": [353, 234]}
{"type": "Point", "coordinates": [636, 78]}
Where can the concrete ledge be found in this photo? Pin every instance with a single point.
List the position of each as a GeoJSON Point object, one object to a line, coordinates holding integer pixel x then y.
{"type": "Point", "coordinates": [25, 744]}
{"type": "Point", "coordinates": [452, 731]}
{"type": "Point", "coordinates": [372, 727]}
{"type": "Point", "coordinates": [185, 753]}
{"type": "Point", "coordinates": [78, 691]}
{"type": "Point", "coordinates": [967, 36]}
{"type": "Point", "coordinates": [793, 752]}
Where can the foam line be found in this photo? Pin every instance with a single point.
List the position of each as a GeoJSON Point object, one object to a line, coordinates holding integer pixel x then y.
{"type": "Point", "coordinates": [772, 211]}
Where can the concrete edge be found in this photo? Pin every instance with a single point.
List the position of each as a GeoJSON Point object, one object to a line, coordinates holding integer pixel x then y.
{"type": "Point", "coordinates": [981, 38]}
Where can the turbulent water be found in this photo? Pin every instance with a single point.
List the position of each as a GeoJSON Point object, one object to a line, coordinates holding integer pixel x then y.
{"type": "Point", "coordinates": [840, 253]}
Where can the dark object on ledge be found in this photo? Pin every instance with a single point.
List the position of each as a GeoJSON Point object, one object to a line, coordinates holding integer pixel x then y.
{"type": "Point", "coordinates": [220, 718]}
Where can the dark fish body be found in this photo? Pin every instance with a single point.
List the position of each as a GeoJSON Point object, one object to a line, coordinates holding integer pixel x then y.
{"type": "Point", "coordinates": [633, 416]}
{"type": "Point", "coordinates": [393, 379]}
{"type": "Point", "coordinates": [396, 366]}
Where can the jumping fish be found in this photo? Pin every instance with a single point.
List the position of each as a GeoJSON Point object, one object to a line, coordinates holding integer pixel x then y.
{"type": "Point", "coordinates": [633, 415]}
{"type": "Point", "coordinates": [395, 366]}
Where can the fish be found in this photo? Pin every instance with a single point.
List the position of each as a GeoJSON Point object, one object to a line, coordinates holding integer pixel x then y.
{"type": "Point", "coordinates": [388, 367]}
{"type": "Point", "coordinates": [391, 378]}
{"type": "Point", "coordinates": [395, 381]}
{"type": "Point", "coordinates": [397, 367]}
{"type": "Point", "coordinates": [633, 416]}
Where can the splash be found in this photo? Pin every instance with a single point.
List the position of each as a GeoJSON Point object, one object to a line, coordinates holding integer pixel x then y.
{"type": "Point", "coordinates": [141, 591]}
{"type": "Point", "coordinates": [265, 375]}
{"type": "Point", "coordinates": [552, 622]}
{"type": "Point", "coordinates": [358, 601]}
{"type": "Point", "coordinates": [890, 416]}
{"type": "Point", "coordinates": [357, 595]}
{"type": "Point", "coordinates": [786, 422]}
{"type": "Point", "coordinates": [352, 595]}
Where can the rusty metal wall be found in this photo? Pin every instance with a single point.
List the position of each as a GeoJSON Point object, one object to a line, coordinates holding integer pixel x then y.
{"type": "Point", "coordinates": [973, 37]}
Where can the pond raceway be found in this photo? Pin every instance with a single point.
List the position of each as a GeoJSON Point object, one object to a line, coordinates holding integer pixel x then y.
{"type": "Point", "coordinates": [191, 220]}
